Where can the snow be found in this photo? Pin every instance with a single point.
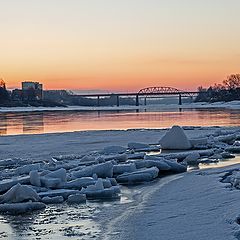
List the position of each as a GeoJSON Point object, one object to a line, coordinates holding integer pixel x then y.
{"type": "Point", "coordinates": [193, 206]}
{"type": "Point", "coordinates": [86, 162]}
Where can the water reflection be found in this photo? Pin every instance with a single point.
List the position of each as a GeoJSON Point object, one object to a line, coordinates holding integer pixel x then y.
{"type": "Point", "coordinates": [33, 123]}
{"type": "Point", "coordinates": [3, 125]}
{"type": "Point", "coordinates": [48, 122]}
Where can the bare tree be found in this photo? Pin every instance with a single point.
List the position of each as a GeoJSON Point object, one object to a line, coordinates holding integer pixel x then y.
{"type": "Point", "coordinates": [232, 81]}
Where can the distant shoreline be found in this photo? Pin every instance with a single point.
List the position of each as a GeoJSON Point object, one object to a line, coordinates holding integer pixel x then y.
{"type": "Point", "coordinates": [225, 105]}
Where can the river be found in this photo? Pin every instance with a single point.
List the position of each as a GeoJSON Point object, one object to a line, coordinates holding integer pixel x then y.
{"type": "Point", "coordinates": [69, 121]}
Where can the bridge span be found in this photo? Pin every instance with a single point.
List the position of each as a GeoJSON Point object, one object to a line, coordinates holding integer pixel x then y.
{"type": "Point", "coordinates": [145, 92]}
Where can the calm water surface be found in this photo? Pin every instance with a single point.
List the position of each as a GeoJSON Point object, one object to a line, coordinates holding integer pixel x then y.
{"type": "Point", "coordinates": [67, 121]}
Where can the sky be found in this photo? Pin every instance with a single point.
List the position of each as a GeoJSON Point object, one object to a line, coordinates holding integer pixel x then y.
{"type": "Point", "coordinates": [119, 45]}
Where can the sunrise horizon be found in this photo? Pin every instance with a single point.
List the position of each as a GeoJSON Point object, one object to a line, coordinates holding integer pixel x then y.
{"type": "Point", "coordinates": [119, 46]}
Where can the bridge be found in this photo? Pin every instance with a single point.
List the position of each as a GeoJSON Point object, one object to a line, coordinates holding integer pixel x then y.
{"type": "Point", "coordinates": [145, 92]}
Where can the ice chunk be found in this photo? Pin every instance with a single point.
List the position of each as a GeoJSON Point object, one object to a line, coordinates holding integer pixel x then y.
{"type": "Point", "coordinates": [117, 157]}
{"type": "Point", "coordinates": [175, 138]}
{"type": "Point", "coordinates": [192, 158]}
{"type": "Point", "coordinates": [35, 178]}
{"type": "Point", "coordinates": [20, 208]}
{"type": "Point", "coordinates": [76, 198]}
{"type": "Point", "coordinates": [236, 143]}
{"type": "Point", "coordinates": [176, 167]}
{"type": "Point", "coordinates": [135, 145]}
{"type": "Point", "coordinates": [113, 181]}
{"type": "Point", "coordinates": [60, 173]}
{"type": "Point", "coordinates": [107, 183]}
{"type": "Point", "coordinates": [199, 141]}
{"type": "Point", "coordinates": [122, 168]}
{"type": "Point", "coordinates": [49, 182]}
{"type": "Point", "coordinates": [98, 191]}
{"type": "Point", "coordinates": [98, 185]}
{"type": "Point", "coordinates": [8, 183]}
{"type": "Point", "coordinates": [226, 155]}
{"type": "Point", "coordinates": [143, 175]}
{"type": "Point", "coordinates": [8, 162]}
{"type": "Point", "coordinates": [234, 149]}
{"type": "Point", "coordinates": [114, 150]}
{"type": "Point", "coordinates": [58, 192]}
{"type": "Point", "coordinates": [136, 155]}
{"type": "Point", "coordinates": [160, 164]}
{"type": "Point", "coordinates": [107, 193]}
{"type": "Point", "coordinates": [19, 193]}
{"type": "Point", "coordinates": [226, 138]}
{"type": "Point", "coordinates": [28, 168]}
{"type": "Point", "coordinates": [102, 170]}
{"type": "Point", "coordinates": [78, 183]}
{"type": "Point", "coordinates": [140, 147]}
{"type": "Point", "coordinates": [53, 200]}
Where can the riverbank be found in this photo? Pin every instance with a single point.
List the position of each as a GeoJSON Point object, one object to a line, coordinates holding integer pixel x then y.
{"type": "Point", "coordinates": [200, 105]}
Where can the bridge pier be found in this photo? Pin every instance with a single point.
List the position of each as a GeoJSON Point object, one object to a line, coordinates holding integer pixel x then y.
{"type": "Point", "coordinates": [145, 101]}
{"type": "Point", "coordinates": [137, 100]}
{"type": "Point", "coordinates": [118, 101]}
{"type": "Point", "coordinates": [98, 101]}
{"type": "Point", "coordinates": [180, 99]}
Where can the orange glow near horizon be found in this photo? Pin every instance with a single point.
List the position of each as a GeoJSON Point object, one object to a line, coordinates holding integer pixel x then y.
{"type": "Point", "coordinates": [119, 45]}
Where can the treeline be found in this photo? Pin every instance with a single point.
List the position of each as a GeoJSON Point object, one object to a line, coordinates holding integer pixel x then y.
{"type": "Point", "coordinates": [4, 94]}
{"type": "Point", "coordinates": [68, 98]}
{"type": "Point", "coordinates": [229, 90]}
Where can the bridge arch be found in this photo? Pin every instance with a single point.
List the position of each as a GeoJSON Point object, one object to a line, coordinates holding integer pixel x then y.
{"type": "Point", "coordinates": [159, 90]}
{"type": "Point", "coordinates": [155, 91]}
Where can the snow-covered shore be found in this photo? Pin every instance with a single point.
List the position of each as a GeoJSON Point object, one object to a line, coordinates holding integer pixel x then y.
{"type": "Point", "coordinates": [194, 203]}
{"type": "Point", "coordinates": [45, 146]}
{"type": "Point", "coordinates": [225, 105]}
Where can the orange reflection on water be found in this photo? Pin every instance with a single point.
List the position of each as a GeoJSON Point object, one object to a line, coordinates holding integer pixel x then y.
{"type": "Point", "coordinates": [49, 122]}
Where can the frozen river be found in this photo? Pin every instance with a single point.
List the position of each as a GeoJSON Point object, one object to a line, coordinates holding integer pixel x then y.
{"type": "Point", "coordinates": [69, 121]}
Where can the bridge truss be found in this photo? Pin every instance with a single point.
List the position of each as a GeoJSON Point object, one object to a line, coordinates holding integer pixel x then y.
{"type": "Point", "coordinates": [149, 91]}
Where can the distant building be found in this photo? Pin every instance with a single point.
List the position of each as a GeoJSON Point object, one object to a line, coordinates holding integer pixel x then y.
{"type": "Point", "coordinates": [17, 95]}
{"type": "Point", "coordinates": [32, 91]}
